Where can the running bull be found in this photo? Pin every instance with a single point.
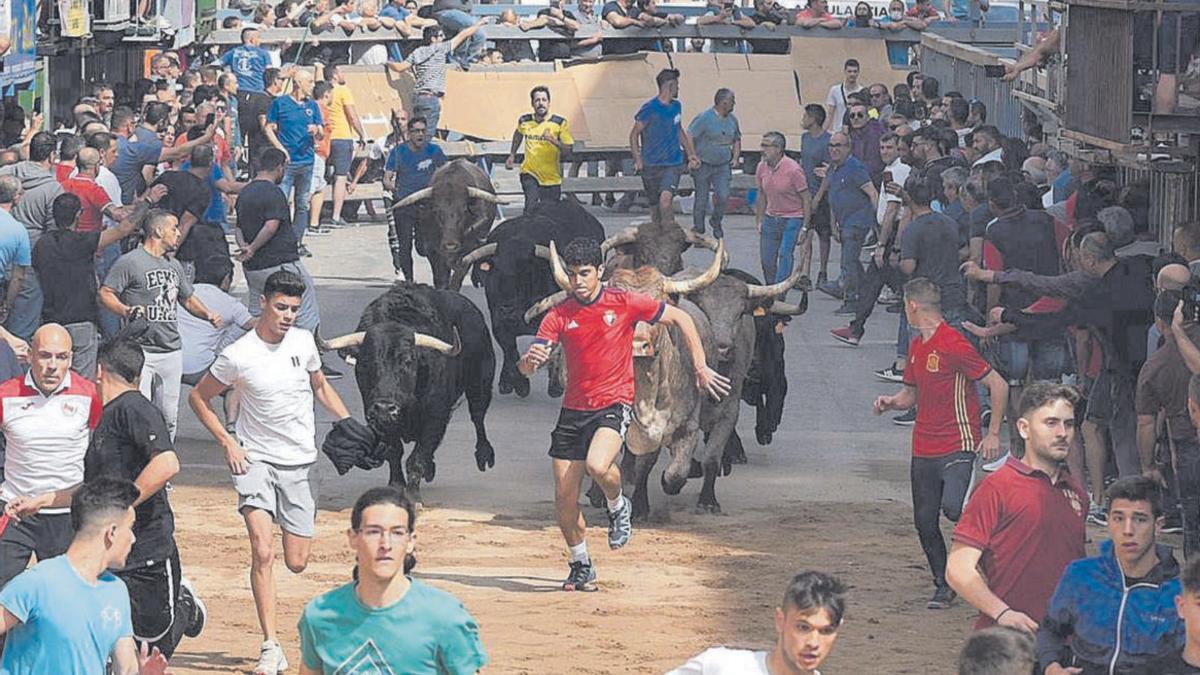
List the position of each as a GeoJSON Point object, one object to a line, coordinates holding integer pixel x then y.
{"type": "Point", "coordinates": [457, 210]}
{"type": "Point", "coordinates": [515, 271]}
{"type": "Point", "coordinates": [658, 242]}
{"type": "Point", "coordinates": [667, 402]}
{"type": "Point", "coordinates": [417, 351]}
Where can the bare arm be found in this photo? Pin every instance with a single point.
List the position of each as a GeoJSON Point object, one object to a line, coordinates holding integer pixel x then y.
{"type": "Point", "coordinates": [1146, 427]}
{"type": "Point", "coordinates": [201, 402]}
{"type": "Point", "coordinates": [707, 379]}
{"type": "Point", "coordinates": [685, 139]}
{"type": "Point", "coordinates": [16, 276]}
{"type": "Point", "coordinates": [962, 573]}
{"type": "Point", "coordinates": [871, 192]}
{"type": "Point", "coordinates": [177, 152]}
{"type": "Point", "coordinates": [466, 33]}
{"type": "Point", "coordinates": [162, 468]}
{"type": "Point", "coordinates": [901, 400]}
{"type": "Point", "coordinates": [196, 308]}
{"type": "Point", "coordinates": [617, 21]}
{"type": "Point", "coordinates": [355, 122]}
{"type": "Point", "coordinates": [327, 395]}
{"type": "Point", "coordinates": [8, 621]}
{"type": "Point", "coordinates": [635, 144]}
{"type": "Point", "coordinates": [398, 66]}
{"type": "Point", "coordinates": [1187, 348]}
{"type": "Point", "coordinates": [264, 235]}
{"type": "Point", "coordinates": [109, 300]}
{"type": "Point", "coordinates": [516, 145]}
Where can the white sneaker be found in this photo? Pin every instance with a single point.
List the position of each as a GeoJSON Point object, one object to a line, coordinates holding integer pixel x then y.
{"type": "Point", "coordinates": [271, 660]}
{"type": "Point", "coordinates": [995, 464]}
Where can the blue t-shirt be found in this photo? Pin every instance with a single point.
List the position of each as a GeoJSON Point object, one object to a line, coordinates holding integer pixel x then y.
{"type": "Point", "coordinates": [1062, 186]}
{"type": "Point", "coordinates": [67, 625]}
{"type": "Point", "coordinates": [897, 51]}
{"type": "Point", "coordinates": [814, 151]}
{"type": "Point", "coordinates": [660, 136]}
{"type": "Point", "coordinates": [714, 136]}
{"type": "Point", "coordinates": [391, 11]}
{"type": "Point", "coordinates": [215, 213]}
{"type": "Point", "coordinates": [426, 631]}
{"type": "Point", "coordinates": [248, 63]}
{"type": "Point", "coordinates": [142, 148]}
{"type": "Point", "coordinates": [292, 120]}
{"type": "Point", "coordinates": [14, 243]}
{"type": "Point", "coordinates": [414, 168]}
{"type": "Point", "coordinates": [850, 205]}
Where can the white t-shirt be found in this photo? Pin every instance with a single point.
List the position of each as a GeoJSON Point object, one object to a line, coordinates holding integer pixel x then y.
{"type": "Point", "coordinates": [725, 661]}
{"type": "Point", "coordinates": [276, 421]}
{"type": "Point", "coordinates": [836, 101]}
{"type": "Point", "coordinates": [201, 342]}
{"type": "Point", "coordinates": [900, 172]}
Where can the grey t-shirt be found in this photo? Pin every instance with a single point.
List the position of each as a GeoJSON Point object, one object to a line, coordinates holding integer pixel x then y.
{"type": "Point", "coordinates": [714, 136]}
{"type": "Point", "coordinates": [429, 66]}
{"type": "Point", "coordinates": [158, 284]}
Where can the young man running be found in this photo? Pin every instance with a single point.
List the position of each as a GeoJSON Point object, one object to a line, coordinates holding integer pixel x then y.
{"type": "Point", "coordinates": [595, 326]}
{"type": "Point", "coordinates": [276, 372]}
{"type": "Point", "coordinates": [940, 380]}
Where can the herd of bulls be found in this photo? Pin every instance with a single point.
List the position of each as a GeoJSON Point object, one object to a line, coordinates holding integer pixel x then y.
{"type": "Point", "coordinates": [418, 350]}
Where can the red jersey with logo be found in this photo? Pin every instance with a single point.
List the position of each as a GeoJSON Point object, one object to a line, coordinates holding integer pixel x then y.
{"type": "Point", "coordinates": [597, 339]}
{"type": "Point", "coordinates": [1029, 531]}
{"type": "Point", "coordinates": [944, 369]}
{"type": "Point", "coordinates": [92, 200]}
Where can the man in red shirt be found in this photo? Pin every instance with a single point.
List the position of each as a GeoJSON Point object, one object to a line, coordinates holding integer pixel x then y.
{"type": "Point", "coordinates": [1025, 523]}
{"type": "Point", "coordinates": [93, 199]}
{"type": "Point", "coordinates": [595, 326]}
{"type": "Point", "coordinates": [940, 380]}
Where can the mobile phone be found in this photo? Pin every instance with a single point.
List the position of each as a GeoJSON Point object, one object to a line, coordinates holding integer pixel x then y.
{"type": "Point", "coordinates": [993, 71]}
{"type": "Point", "coordinates": [887, 177]}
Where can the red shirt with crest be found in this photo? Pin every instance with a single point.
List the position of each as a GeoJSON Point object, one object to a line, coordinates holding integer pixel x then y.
{"type": "Point", "coordinates": [944, 369]}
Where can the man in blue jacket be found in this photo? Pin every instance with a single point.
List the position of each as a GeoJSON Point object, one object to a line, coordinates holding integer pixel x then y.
{"type": "Point", "coordinates": [1115, 612]}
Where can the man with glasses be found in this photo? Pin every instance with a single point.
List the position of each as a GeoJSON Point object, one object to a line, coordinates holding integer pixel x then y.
{"type": "Point", "coordinates": [881, 100]}
{"type": "Point", "coordinates": [852, 200]}
{"type": "Point", "coordinates": [409, 167]}
{"type": "Point", "coordinates": [783, 201]}
{"type": "Point", "coordinates": [865, 134]}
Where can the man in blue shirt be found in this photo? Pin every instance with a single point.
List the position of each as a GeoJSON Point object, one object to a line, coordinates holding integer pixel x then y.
{"type": "Point", "coordinates": [655, 140]}
{"type": "Point", "coordinates": [408, 169]}
{"type": "Point", "coordinates": [852, 201]}
{"type": "Point", "coordinates": [248, 61]}
{"type": "Point", "coordinates": [15, 256]}
{"type": "Point", "coordinates": [140, 147]}
{"type": "Point", "coordinates": [718, 141]}
{"type": "Point", "coordinates": [69, 614]}
{"type": "Point", "coordinates": [293, 122]}
{"type": "Point", "coordinates": [814, 152]}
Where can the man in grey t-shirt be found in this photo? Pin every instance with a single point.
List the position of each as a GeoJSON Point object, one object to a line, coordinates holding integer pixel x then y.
{"type": "Point", "coordinates": [146, 283]}
{"type": "Point", "coordinates": [718, 140]}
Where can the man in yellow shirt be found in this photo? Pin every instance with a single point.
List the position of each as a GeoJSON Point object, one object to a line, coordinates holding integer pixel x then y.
{"type": "Point", "coordinates": [345, 124]}
{"type": "Point", "coordinates": [546, 140]}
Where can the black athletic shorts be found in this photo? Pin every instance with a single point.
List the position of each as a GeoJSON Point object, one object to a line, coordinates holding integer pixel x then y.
{"type": "Point", "coordinates": [154, 601]}
{"type": "Point", "coordinates": [573, 434]}
{"type": "Point", "coordinates": [821, 220]}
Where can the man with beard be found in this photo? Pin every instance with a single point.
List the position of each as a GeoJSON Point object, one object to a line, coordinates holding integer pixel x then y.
{"type": "Point", "coordinates": [546, 138]}
{"type": "Point", "coordinates": [1025, 522]}
{"type": "Point", "coordinates": [146, 283]}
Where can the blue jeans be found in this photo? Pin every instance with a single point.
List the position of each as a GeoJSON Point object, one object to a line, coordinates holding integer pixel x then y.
{"type": "Point", "coordinates": [716, 176]}
{"type": "Point", "coordinates": [26, 313]}
{"type": "Point", "coordinates": [110, 324]}
{"type": "Point", "coordinates": [852, 243]}
{"type": "Point", "coordinates": [429, 107]}
{"type": "Point", "coordinates": [298, 177]}
{"type": "Point", "coordinates": [455, 21]}
{"type": "Point", "coordinates": [777, 245]}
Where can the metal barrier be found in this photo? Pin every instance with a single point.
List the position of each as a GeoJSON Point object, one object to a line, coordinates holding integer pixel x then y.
{"type": "Point", "coordinates": [960, 67]}
{"type": "Point", "coordinates": [1174, 192]}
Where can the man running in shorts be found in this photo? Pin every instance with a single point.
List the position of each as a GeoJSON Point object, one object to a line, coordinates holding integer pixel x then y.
{"type": "Point", "coordinates": [276, 372]}
{"type": "Point", "coordinates": [595, 326]}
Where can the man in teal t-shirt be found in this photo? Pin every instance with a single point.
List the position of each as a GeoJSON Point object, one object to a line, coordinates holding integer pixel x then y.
{"type": "Point", "coordinates": [387, 622]}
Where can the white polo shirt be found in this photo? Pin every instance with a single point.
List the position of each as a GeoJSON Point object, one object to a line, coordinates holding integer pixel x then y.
{"type": "Point", "coordinates": [46, 436]}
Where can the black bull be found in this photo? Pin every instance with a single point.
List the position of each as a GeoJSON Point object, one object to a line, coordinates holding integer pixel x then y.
{"type": "Point", "coordinates": [411, 384]}
{"type": "Point", "coordinates": [515, 275]}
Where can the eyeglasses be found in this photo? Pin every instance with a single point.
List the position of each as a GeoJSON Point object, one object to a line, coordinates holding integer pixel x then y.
{"type": "Point", "coordinates": [838, 145]}
{"type": "Point", "coordinates": [857, 116]}
{"type": "Point", "coordinates": [893, 127]}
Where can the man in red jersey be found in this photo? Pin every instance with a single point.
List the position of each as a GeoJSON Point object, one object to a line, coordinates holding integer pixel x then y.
{"type": "Point", "coordinates": [1025, 523]}
{"type": "Point", "coordinates": [595, 326]}
{"type": "Point", "coordinates": [940, 380]}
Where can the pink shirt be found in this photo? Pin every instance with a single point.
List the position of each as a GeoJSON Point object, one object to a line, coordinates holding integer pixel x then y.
{"type": "Point", "coordinates": [783, 187]}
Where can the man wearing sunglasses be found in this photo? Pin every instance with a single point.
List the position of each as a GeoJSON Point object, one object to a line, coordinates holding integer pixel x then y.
{"type": "Point", "coordinates": [852, 200]}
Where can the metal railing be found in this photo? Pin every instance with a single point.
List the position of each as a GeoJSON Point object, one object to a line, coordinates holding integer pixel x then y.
{"type": "Point", "coordinates": [961, 67]}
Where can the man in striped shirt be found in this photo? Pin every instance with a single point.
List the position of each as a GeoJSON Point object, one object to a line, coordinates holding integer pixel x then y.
{"type": "Point", "coordinates": [940, 380]}
{"type": "Point", "coordinates": [429, 63]}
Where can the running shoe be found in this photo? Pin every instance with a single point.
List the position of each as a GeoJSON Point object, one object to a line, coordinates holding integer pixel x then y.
{"type": "Point", "coordinates": [1097, 515]}
{"type": "Point", "coordinates": [718, 232]}
{"type": "Point", "coordinates": [942, 598]}
{"type": "Point", "coordinates": [582, 577]}
{"type": "Point", "coordinates": [331, 373]}
{"type": "Point", "coordinates": [845, 336]}
{"type": "Point", "coordinates": [303, 251]}
{"type": "Point", "coordinates": [1172, 523]}
{"type": "Point", "coordinates": [620, 524]}
{"type": "Point", "coordinates": [890, 374]}
{"type": "Point", "coordinates": [996, 464]}
{"type": "Point", "coordinates": [318, 231]}
{"type": "Point", "coordinates": [907, 419]}
{"type": "Point", "coordinates": [198, 616]}
{"type": "Point", "coordinates": [271, 660]}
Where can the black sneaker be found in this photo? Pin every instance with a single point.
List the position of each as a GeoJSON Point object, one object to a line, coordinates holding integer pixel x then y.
{"type": "Point", "coordinates": [1172, 523]}
{"type": "Point", "coordinates": [331, 373]}
{"type": "Point", "coordinates": [907, 419]}
{"type": "Point", "coordinates": [198, 614]}
{"type": "Point", "coordinates": [890, 374]}
{"type": "Point", "coordinates": [620, 524]}
{"type": "Point", "coordinates": [582, 577]}
{"type": "Point", "coordinates": [303, 251]}
{"type": "Point", "coordinates": [942, 598]}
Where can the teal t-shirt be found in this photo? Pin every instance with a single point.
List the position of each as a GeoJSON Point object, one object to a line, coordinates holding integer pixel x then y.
{"type": "Point", "coordinates": [67, 625]}
{"type": "Point", "coordinates": [427, 631]}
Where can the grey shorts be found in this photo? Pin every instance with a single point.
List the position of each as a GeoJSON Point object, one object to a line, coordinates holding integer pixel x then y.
{"type": "Point", "coordinates": [282, 491]}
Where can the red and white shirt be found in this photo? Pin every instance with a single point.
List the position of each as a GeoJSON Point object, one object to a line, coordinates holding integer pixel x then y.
{"type": "Point", "coordinates": [46, 436]}
{"type": "Point", "coordinates": [597, 339]}
{"type": "Point", "coordinates": [93, 199]}
{"type": "Point", "coordinates": [944, 369]}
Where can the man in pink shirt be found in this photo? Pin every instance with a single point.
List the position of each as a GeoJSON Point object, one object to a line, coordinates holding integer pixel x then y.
{"type": "Point", "coordinates": [783, 199]}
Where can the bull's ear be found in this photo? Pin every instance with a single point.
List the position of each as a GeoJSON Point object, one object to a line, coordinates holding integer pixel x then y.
{"type": "Point", "coordinates": [349, 355]}
{"type": "Point", "coordinates": [485, 267]}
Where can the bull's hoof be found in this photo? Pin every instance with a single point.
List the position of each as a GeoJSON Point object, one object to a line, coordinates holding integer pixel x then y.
{"type": "Point", "coordinates": [555, 388]}
{"type": "Point", "coordinates": [764, 437]}
{"type": "Point", "coordinates": [430, 470]}
{"type": "Point", "coordinates": [641, 513]}
{"type": "Point", "coordinates": [671, 487]}
{"type": "Point", "coordinates": [596, 496]}
{"type": "Point", "coordinates": [504, 386]}
{"type": "Point", "coordinates": [713, 509]}
{"type": "Point", "coordinates": [521, 386]}
{"type": "Point", "coordinates": [485, 456]}
{"type": "Point", "coordinates": [696, 470]}
{"type": "Point", "coordinates": [726, 466]}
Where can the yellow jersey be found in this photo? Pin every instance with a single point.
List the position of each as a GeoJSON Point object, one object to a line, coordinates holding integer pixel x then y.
{"type": "Point", "coordinates": [541, 156]}
{"type": "Point", "coordinates": [340, 124]}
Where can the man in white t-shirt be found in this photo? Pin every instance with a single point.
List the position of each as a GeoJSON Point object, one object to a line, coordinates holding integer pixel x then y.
{"type": "Point", "coordinates": [838, 100]}
{"type": "Point", "coordinates": [275, 371]}
{"type": "Point", "coordinates": [807, 623]}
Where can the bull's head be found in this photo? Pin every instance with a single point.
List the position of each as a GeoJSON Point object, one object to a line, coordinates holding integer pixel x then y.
{"type": "Point", "coordinates": [461, 211]}
{"type": "Point", "coordinates": [385, 366]}
{"type": "Point", "coordinates": [659, 242]}
{"type": "Point", "coordinates": [727, 300]}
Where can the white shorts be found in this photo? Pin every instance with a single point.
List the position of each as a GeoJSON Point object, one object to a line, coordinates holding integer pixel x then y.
{"type": "Point", "coordinates": [282, 491]}
{"type": "Point", "coordinates": [318, 176]}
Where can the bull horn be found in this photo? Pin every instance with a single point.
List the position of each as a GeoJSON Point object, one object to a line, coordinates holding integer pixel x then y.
{"type": "Point", "coordinates": [344, 341]}
{"type": "Point", "coordinates": [485, 251]}
{"type": "Point", "coordinates": [560, 272]}
{"type": "Point", "coordinates": [626, 236]}
{"type": "Point", "coordinates": [415, 197]}
{"type": "Point", "coordinates": [542, 306]}
{"type": "Point", "coordinates": [480, 193]}
{"type": "Point", "coordinates": [788, 309]}
{"type": "Point", "coordinates": [542, 252]}
{"type": "Point", "coordinates": [756, 291]}
{"type": "Point", "coordinates": [704, 241]}
{"type": "Point", "coordinates": [430, 342]}
{"type": "Point", "coordinates": [694, 284]}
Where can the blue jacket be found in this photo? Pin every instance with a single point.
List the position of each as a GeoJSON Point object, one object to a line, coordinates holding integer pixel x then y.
{"type": "Point", "coordinates": [1111, 628]}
